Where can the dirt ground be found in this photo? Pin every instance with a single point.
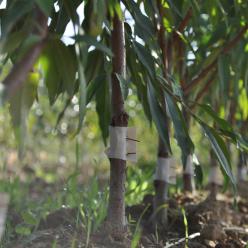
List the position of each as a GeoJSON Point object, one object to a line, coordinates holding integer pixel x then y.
{"type": "Point", "coordinates": [210, 223]}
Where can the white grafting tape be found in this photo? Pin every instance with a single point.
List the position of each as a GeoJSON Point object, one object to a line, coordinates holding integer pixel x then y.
{"type": "Point", "coordinates": [122, 143]}
{"type": "Point", "coordinates": [131, 144]}
{"type": "Point", "coordinates": [242, 173]}
{"type": "Point", "coordinates": [166, 170]}
{"type": "Point", "coordinates": [189, 169]}
{"type": "Point", "coordinates": [215, 175]}
{"type": "Point", "coordinates": [118, 143]}
{"type": "Point", "coordinates": [4, 201]}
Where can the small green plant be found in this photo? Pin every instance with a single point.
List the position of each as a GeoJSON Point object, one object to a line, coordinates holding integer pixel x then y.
{"type": "Point", "coordinates": [138, 230]}
{"type": "Point", "coordinates": [185, 222]}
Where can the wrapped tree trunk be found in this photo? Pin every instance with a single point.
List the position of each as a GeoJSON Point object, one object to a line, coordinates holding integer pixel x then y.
{"type": "Point", "coordinates": [161, 184]}
{"type": "Point", "coordinates": [161, 189]}
{"type": "Point", "coordinates": [242, 169]}
{"type": "Point", "coordinates": [213, 168]}
{"type": "Point", "coordinates": [188, 174]}
{"type": "Point", "coordinates": [116, 208]}
{"type": "Point", "coordinates": [215, 177]}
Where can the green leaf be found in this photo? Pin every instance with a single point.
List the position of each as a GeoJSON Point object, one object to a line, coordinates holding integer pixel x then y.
{"type": "Point", "coordinates": [29, 218]}
{"type": "Point", "coordinates": [95, 58]}
{"type": "Point", "coordinates": [134, 68]}
{"type": "Point", "coordinates": [58, 63]}
{"type": "Point", "coordinates": [143, 25]}
{"type": "Point", "coordinates": [13, 14]}
{"type": "Point", "coordinates": [45, 5]}
{"type": "Point", "coordinates": [19, 107]}
{"type": "Point", "coordinates": [223, 124]}
{"type": "Point", "coordinates": [22, 230]}
{"type": "Point", "coordinates": [103, 107]}
{"type": "Point", "coordinates": [66, 64]}
{"type": "Point", "coordinates": [51, 73]}
{"type": "Point", "coordinates": [82, 95]}
{"type": "Point", "coordinates": [12, 41]}
{"type": "Point", "coordinates": [94, 86]}
{"type": "Point", "coordinates": [145, 58]}
{"type": "Point", "coordinates": [220, 150]}
{"type": "Point", "coordinates": [181, 130]}
{"type": "Point", "coordinates": [123, 84]}
{"type": "Point", "coordinates": [158, 116]}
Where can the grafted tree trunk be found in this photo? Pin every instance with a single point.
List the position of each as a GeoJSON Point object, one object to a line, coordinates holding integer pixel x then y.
{"type": "Point", "coordinates": [161, 191]}
{"type": "Point", "coordinates": [188, 179]}
{"type": "Point", "coordinates": [242, 170]}
{"type": "Point", "coordinates": [213, 186]}
{"type": "Point", "coordinates": [116, 208]}
{"type": "Point", "coordinates": [161, 187]}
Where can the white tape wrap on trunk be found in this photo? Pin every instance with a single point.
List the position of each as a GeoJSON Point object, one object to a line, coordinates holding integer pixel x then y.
{"type": "Point", "coordinates": [122, 143]}
{"type": "Point", "coordinates": [241, 173]}
{"type": "Point", "coordinates": [131, 144]}
{"type": "Point", "coordinates": [215, 176]}
{"type": "Point", "coordinates": [166, 170]}
{"type": "Point", "coordinates": [189, 169]}
{"type": "Point", "coordinates": [4, 201]}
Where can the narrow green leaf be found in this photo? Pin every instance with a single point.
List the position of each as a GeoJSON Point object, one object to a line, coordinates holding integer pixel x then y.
{"type": "Point", "coordinates": [220, 150]}
{"type": "Point", "coordinates": [45, 5]}
{"type": "Point", "coordinates": [145, 58]}
{"type": "Point", "coordinates": [103, 107]}
{"type": "Point", "coordinates": [82, 95]}
{"type": "Point", "coordinates": [20, 105]}
{"type": "Point", "coordinates": [223, 124]}
{"type": "Point", "coordinates": [181, 130]}
{"type": "Point", "coordinates": [158, 116]}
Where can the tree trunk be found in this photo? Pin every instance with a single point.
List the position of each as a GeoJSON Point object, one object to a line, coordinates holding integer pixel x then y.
{"type": "Point", "coordinates": [213, 186]}
{"type": "Point", "coordinates": [188, 179]}
{"type": "Point", "coordinates": [116, 208]}
{"type": "Point", "coordinates": [160, 217]}
{"type": "Point", "coordinates": [242, 170]}
{"type": "Point", "coordinates": [161, 187]}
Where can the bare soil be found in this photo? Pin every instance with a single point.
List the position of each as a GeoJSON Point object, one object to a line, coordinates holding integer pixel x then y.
{"type": "Point", "coordinates": [210, 223]}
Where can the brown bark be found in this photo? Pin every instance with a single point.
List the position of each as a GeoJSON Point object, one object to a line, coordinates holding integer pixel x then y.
{"type": "Point", "coordinates": [188, 180]}
{"type": "Point", "coordinates": [116, 208]}
{"type": "Point", "coordinates": [161, 192]}
{"type": "Point", "coordinates": [161, 187]}
{"type": "Point", "coordinates": [198, 78]}
{"type": "Point", "coordinates": [213, 187]}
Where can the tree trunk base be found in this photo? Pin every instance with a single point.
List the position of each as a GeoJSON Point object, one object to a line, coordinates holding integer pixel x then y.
{"type": "Point", "coordinates": [213, 187]}
{"type": "Point", "coordinates": [116, 210]}
{"type": "Point", "coordinates": [188, 183]}
{"type": "Point", "coordinates": [160, 205]}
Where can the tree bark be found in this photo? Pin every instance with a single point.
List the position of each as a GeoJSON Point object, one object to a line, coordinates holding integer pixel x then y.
{"type": "Point", "coordinates": [241, 170]}
{"type": "Point", "coordinates": [116, 208]}
{"type": "Point", "coordinates": [161, 187]}
{"type": "Point", "coordinates": [213, 186]}
{"type": "Point", "coordinates": [160, 216]}
{"type": "Point", "coordinates": [188, 180]}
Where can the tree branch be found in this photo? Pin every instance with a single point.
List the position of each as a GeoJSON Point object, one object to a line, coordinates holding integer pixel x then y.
{"type": "Point", "coordinates": [199, 77]}
{"type": "Point", "coordinates": [235, 40]}
{"type": "Point", "coordinates": [204, 90]}
{"type": "Point", "coordinates": [206, 70]}
{"type": "Point", "coordinates": [185, 20]}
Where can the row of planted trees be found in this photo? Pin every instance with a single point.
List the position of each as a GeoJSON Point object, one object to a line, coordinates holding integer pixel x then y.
{"type": "Point", "coordinates": [186, 60]}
